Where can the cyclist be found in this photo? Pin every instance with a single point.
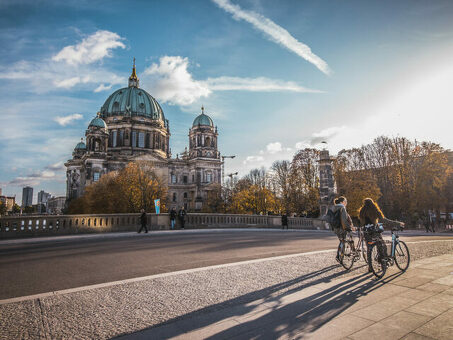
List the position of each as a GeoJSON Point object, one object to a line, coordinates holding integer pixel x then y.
{"type": "Point", "coordinates": [346, 225]}
{"type": "Point", "coordinates": [370, 213]}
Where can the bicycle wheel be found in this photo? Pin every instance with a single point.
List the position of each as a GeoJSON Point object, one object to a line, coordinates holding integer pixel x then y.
{"type": "Point", "coordinates": [402, 256]}
{"type": "Point", "coordinates": [347, 255]}
{"type": "Point", "coordinates": [375, 259]}
{"type": "Point", "coordinates": [363, 248]}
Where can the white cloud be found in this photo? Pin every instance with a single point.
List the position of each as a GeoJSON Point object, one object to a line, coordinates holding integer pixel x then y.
{"type": "Point", "coordinates": [301, 145]}
{"type": "Point", "coordinates": [274, 147]}
{"type": "Point", "coordinates": [326, 134]}
{"type": "Point", "coordinates": [274, 32]}
{"type": "Point", "coordinates": [102, 87]}
{"type": "Point", "coordinates": [170, 81]}
{"type": "Point", "coordinates": [34, 178]}
{"type": "Point", "coordinates": [260, 84]}
{"type": "Point", "coordinates": [253, 159]}
{"type": "Point", "coordinates": [67, 83]}
{"type": "Point", "coordinates": [93, 48]}
{"type": "Point", "coordinates": [65, 120]}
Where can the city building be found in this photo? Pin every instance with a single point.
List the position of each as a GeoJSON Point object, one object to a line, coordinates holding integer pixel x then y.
{"type": "Point", "coordinates": [131, 126]}
{"type": "Point", "coordinates": [8, 201]}
{"type": "Point", "coordinates": [27, 197]}
{"type": "Point", "coordinates": [55, 205]}
{"type": "Point", "coordinates": [43, 197]}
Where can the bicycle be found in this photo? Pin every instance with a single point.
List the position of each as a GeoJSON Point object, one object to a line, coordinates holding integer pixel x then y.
{"type": "Point", "coordinates": [380, 260]}
{"type": "Point", "coordinates": [350, 253]}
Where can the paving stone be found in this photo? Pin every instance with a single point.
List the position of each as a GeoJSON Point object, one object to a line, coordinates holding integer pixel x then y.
{"type": "Point", "coordinates": [414, 282]}
{"type": "Point", "coordinates": [429, 307]}
{"type": "Point", "coordinates": [433, 287]}
{"type": "Point", "coordinates": [439, 328]}
{"type": "Point", "coordinates": [406, 320]}
{"type": "Point", "coordinates": [446, 280]}
{"type": "Point", "coordinates": [379, 331]}
{"type": "Point", "coordinates": [415, 336]}
{"type": "Point", "coordinates": [384, 309]}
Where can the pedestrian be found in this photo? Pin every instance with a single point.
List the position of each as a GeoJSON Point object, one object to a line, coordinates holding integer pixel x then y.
{"type": "Point", "coordinates": [182, 217]}
{"type": "Point", "coordinates": [345, 224]}
{"type": "Point", "coordinates": [143, 220]}
{"type": "Point", "coordinates": [371, 214]}
{"type": "Point", "coordinates": [172, 218]}
{"type": "Point", "coordinates": [284, 221]}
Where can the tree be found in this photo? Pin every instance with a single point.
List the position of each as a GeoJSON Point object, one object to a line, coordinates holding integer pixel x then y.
{"type": "Point", "coordinates": [3, 208]}
{"type": "Point", "coordinates": [304, 183]}
{"type": "Point", "coordinates": [281, 181]}
{"type": "Point", "coordinates": [16, 209]}
{"type": "Point", "coordinates": [127, 191]}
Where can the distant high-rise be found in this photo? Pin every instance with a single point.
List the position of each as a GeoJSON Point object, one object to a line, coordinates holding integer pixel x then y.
{"type": "Point", "coordinates": [43, 197]}
{"type": "Point", "coordinates": [27, 197]}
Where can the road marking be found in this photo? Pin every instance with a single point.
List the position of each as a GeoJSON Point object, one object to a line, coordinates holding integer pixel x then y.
{"type": "Point", "coordinates": [155, 276]}
{"type": "Point", "coordinates": [175, 273]}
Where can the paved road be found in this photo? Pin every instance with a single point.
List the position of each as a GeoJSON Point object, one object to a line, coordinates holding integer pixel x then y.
{"type": "Point", "coordinates": [42, 265]}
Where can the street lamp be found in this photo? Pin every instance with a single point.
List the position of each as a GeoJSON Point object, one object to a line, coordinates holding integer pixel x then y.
{"type": "Point", "coordinates": [223, 167]}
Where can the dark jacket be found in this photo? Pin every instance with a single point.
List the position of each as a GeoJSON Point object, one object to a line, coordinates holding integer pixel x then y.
{"type": "Point", "coordinates": [143, 218]}
{"type": "Point", "coordinates": [284, 220]}
{"type": "Point", "coordinates": [181, 214]}
{"type": "Point", "coordinates": [346, 221]}
{"type": "Point", "coordinates": [172, 214]}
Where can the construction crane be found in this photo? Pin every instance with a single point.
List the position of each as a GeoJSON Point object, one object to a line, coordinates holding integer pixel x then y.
{"type": "Point", "coordinates": [223, 167]}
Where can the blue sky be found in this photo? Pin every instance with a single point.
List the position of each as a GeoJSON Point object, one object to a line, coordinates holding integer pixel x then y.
{"type": "Point", "coordinates": [274, 76]}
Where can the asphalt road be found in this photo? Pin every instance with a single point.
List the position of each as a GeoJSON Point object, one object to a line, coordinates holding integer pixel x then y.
{"type": "Point", "coordinates": [42, 265]}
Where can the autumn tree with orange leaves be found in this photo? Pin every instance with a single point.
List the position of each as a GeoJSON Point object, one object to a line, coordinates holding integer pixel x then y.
{"type": "Point", "coordinates": [126, 191]}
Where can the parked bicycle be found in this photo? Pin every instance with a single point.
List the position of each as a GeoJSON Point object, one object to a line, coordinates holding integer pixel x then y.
{"type": "Point", "coordinates": [384, 254]}
{"type": "Point", "coordinates": [348, 253]}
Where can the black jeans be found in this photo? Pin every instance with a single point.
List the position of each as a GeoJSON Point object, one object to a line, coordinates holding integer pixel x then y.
{"type": "Point", "coordinates": [143, 227]}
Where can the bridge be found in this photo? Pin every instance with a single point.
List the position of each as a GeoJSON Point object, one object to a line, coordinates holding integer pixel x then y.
{"type": "Point", "coordinates": [250, 279]}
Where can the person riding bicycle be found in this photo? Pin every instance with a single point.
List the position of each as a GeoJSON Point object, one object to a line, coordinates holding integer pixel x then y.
{"type": "Point", "coordinates": [346, 225]}
{"type": "Point", "coordinates": [371, 214]}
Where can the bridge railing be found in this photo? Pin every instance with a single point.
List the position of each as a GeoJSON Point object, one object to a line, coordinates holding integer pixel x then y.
{"type": "Point", "coordinates": [40, 225]}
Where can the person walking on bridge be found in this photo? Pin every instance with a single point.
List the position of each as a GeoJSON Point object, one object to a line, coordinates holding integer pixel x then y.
{"type": "Point", "coordinates": [182, 217]}
{"type": "Point", "coordinates": [143, 220]}
{"type": "Point", "coordinates": [345, 222]}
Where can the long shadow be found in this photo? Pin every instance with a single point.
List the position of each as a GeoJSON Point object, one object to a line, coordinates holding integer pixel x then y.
{"type": "Point", "coordinates": [312, 311]}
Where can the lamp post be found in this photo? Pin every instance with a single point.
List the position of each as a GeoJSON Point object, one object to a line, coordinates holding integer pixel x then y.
{"type": "Point", "coordinates": [223, 167]}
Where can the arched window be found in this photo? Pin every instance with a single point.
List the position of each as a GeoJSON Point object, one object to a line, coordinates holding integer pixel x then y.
{"type": "Point", "coordinates": [207, 141]}
{"type": "Point", "coordinates": [116, 107]}
{"type": "Point", "coordinates": [174, 197]}
{"type": "Point", "coordinates": [185, 195]}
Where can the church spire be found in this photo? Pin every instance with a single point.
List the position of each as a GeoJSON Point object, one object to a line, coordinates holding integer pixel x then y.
{"type": "Point", "coordinates": [133, 79]}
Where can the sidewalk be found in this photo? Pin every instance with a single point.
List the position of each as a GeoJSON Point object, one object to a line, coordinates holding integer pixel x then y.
{"type": "Point", "coordinates": [415, 305]}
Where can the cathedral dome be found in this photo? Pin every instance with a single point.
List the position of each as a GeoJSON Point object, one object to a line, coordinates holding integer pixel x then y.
{"type": "Point", "coordinates": [203, 120]}
{"type": "Point", "coordinates": [132, 101]}
{"type": "Point", "coordinates": [98, 122]}
{"type": "Point", "coordinates": [80, 146]}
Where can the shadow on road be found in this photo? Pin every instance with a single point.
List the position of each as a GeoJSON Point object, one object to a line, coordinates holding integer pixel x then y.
{"type": "Point", "coordinates": [308, 313]}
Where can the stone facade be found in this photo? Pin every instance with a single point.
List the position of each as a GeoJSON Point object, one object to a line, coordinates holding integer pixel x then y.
{"type": "Point", "coordinates": [131, 126]}
{"type": "Point", "coordinates": [327, 187]}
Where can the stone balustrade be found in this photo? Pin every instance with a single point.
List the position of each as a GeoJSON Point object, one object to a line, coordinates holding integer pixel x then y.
{"type": "Point", "coordinates": [42, 225]}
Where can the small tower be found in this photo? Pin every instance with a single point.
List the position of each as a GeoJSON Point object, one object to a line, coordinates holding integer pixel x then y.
{"type": "Point", "coordinates": [97, 136]}
{"type": "Point", "coordinates": [80, 149]}
{"type": "Point", "coordinates": [327, 188]}
{"type": "Point", "coordinates": [133, 79]}
{"type": "Point", "coordinates": [203, 138]}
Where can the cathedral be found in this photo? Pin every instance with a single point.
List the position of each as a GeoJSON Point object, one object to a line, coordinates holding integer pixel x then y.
{"type": "Point", "coordinates": [131, 126]}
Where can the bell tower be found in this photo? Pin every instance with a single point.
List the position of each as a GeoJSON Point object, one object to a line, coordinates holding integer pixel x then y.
{"type": "Point", "coordinates": [203, 138]}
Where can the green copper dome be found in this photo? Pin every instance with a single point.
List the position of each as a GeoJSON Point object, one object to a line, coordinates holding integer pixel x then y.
{"type": "Point", "coordinates": [80, 146]}
{"type": "Point", "coordinates": [132, 101]}
{"type": "Point", "coordinates": [98, 122]}
{"type": "Point", "coordinates": [203, 120]}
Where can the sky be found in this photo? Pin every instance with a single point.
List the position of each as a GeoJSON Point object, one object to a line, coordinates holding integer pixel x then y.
{"type": "Point", "coordinates": [274, 76]}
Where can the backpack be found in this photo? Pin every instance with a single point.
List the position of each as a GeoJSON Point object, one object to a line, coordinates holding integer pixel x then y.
{"type": "Point", "coordinates": [334, 219]}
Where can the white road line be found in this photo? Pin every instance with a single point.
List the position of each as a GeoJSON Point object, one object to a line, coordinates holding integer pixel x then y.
{"type": "Point", "coordinates": [180, 272]}
{"type": "Point", "coordinates": [143, 278]}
